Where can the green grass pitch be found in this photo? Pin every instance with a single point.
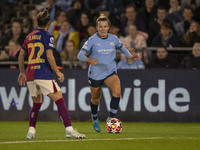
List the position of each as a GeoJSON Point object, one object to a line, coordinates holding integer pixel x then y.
{"type": "Point", "coordinates": [134, 136]}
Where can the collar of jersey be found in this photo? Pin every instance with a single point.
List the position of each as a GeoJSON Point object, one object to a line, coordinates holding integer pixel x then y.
{"type": "Point", "coordinates": [101, 37]}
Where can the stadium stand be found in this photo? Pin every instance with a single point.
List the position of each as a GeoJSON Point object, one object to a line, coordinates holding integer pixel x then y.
{"type": "Point", "coordinates": [20, 9]}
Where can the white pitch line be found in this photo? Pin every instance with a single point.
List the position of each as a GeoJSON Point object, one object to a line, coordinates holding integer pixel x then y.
{"type": "Point", "coordinates": [86, 140]}
{"type": "Point", "coordinates": [77, 140]}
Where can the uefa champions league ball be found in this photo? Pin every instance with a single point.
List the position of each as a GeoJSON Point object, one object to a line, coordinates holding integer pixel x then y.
{"type": "Point", "coordinates": [114, 125]}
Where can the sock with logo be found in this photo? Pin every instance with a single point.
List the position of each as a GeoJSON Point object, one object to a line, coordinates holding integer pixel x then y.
{"type": "Point", "coordinates": [94, 111]}
{"type": "Point", "coordinates": [33, 114]}
{"type": "Point", "coordinates": [114, 104]}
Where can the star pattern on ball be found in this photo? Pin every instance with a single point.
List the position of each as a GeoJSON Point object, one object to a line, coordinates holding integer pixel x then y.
{"type": "Point", "coordinates": [118, 124]}
{"type": "Point", "coordinates": [114, 125]}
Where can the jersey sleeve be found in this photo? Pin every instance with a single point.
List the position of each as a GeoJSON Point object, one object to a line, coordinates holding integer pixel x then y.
{"type": "Point", "coordinates": [120, 46]}
{"type": "Point", "coordinates": [50, 42]}
{"type": "Point", "coordinates": [87, 46]}
{"type": "Point", "coordinates": [85, 50]}
{"type": "Point", "coordinates": [118, 43]}
{"type": "Point", "coordinates": [24, 46]}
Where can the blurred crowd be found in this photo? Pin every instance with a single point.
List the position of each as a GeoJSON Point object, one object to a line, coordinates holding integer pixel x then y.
{"type": "Point", "coordinates": [139, 24]}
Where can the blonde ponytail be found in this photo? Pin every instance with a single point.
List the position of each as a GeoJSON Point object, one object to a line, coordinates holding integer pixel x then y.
{"type": "Point", "coordinates": [102, 17]}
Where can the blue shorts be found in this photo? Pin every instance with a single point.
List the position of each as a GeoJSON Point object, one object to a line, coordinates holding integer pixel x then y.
{"type": "Point", "coordinates": [98, 83]}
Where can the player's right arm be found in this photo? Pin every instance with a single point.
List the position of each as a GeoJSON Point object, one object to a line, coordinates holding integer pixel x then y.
{"type": "Point", "coordinates": [22, 75]}
{"type": "Point", "coordinates": [82, 56]}
{"type": "Point", "coordinates": [52, 62]}
{"type": "Point", "coordinates": [85, 50]}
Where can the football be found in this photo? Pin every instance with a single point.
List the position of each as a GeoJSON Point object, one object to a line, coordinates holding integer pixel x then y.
{"type": "Point", "coordinates": [114, 125]}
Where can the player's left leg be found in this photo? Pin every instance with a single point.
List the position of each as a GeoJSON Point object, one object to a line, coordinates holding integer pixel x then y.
{"type": "Point", "coordinates": [52, 90]}
{"type": "Point", "coordinates": [57, 97]}
{"type": "Point", "coordinates": [113, 83]}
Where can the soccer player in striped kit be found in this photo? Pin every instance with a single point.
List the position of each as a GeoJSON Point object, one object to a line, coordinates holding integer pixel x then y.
{"type": "Point", "coordinates": [39, 47]}
{"type": "Point", "coordinates": [101, 48]}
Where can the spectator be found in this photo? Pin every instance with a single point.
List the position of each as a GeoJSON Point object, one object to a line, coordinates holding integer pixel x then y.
{"type": "Point", "coordinates": [115, 7]}
{"type": "Point", "coordinates": [30, 23]}
{"type": "Point", "coordinates": [27, 25]}
{"type": "Point", "coordinates": [197, 14]}
{"type": "Point", "coordinates": [174, 6]}
{"type": "Point", "coordinates": [135, 38]}
{"type": "Point", "coordinates": [69, 53]}
{"type": "Point", "coordinates": [3, 55]}
{"type": "Point", "coordinates": [175, 12]}
{"type": "Point", "coordinates": [162, 60]}
{"type": "Point", "coordinates": [64, 5]}
{"type": "Point", "coordinates": [107, 13]}
{"type": "Point", "coordinates": [192, 35]}
{"type": "Point", "coordinates": [14, 49]}
{"type": "Point", "coordinates": [104, 11]}
{"type": "Point", "coordinates": [190, 3]}
{"type": "Point", "coordinates": [33, 15]}
{"type": "Point", "coordinates": [136, 3]}
{"type": "Point", "coordinates": [115, 28]}
{"type": "Point", "coordinates": [74, 13]}
{"type": "Point", "coordinates": [12, 53]}
{"type": "Point", "coordinates": [154, 26]}
{"type": "Point", "coordinates": [183, 26]}
{"type": "Point", "coordinates": [163, 3]}
{"type": "Point", "coordinates": [149, 12]}
{"type": "Point", "coordinates": [52, 9]}
{"type": "Point", "coordinates": [167, 37]}
{"type": "Point", "coordinates": [56, 24]}
{"type": "Point", "coordinates": [129, 63]}
{"type": "Point", "coordinates": [16, 33]}
{"type": "Point", "coordinates": [83, 24]}
{"type": "Point", "coordinates": [94, 6]}
{"type": "Point", "coordinates": [131, 18]}
{"type": "Point", "coordinates": [192, 61]}
{"type": "Point", "coordinates": [66, 32]}
{"type": "Point", "coordinates": [91, 30]}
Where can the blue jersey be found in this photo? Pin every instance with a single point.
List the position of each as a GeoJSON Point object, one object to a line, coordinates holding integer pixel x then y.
{"type": "Point", "coordinates": [105, 51]}
{"type": "Point", "coordinates": [36, 44]}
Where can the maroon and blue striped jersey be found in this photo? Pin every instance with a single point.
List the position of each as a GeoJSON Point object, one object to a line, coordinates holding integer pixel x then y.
{"type": "Point", "coordinates": [36, 44]}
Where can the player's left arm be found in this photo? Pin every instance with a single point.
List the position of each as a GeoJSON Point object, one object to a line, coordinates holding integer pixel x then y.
{"type": "Point", "coordinates": [135, 56]}
{"type": "Point", "coordinates": [126, 51]}
{"type": "Point", "coordinates": [22, 75]}
{"type": "Point", "coordinates": [52, 62]}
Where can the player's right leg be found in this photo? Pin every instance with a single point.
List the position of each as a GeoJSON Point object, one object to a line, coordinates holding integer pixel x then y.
{"type": "Point", "coordinates": [33, 114]}
{"type": "Point", "coordinates": [96, 96]}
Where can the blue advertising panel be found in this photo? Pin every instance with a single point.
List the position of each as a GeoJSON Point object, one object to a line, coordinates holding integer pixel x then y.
{"type": "Point", "coordinates": [147, 95]}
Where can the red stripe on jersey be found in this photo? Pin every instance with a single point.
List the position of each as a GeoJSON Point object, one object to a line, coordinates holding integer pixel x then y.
{"type": "Point", "coordinates": [30, 72]}
{"type": "Point", "coordinates": [54, 87]}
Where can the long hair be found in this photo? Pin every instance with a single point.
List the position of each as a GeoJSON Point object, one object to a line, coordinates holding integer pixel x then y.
{"type": "Point", "coordinates": [43, 18]}
{"type": "Point", "coordinates": [65, 54]}
{"type": "Point", "coordinates": [188, 35]}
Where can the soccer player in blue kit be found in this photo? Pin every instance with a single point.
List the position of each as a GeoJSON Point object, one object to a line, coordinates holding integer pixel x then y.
{"type": "Point", "coordinates": [39, 47]}
{"type": "Point", "coordinates": [100, 52]}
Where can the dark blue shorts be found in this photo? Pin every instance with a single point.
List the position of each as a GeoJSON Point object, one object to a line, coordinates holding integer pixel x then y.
{"type": "Point", "coordinates": [98, 83]}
